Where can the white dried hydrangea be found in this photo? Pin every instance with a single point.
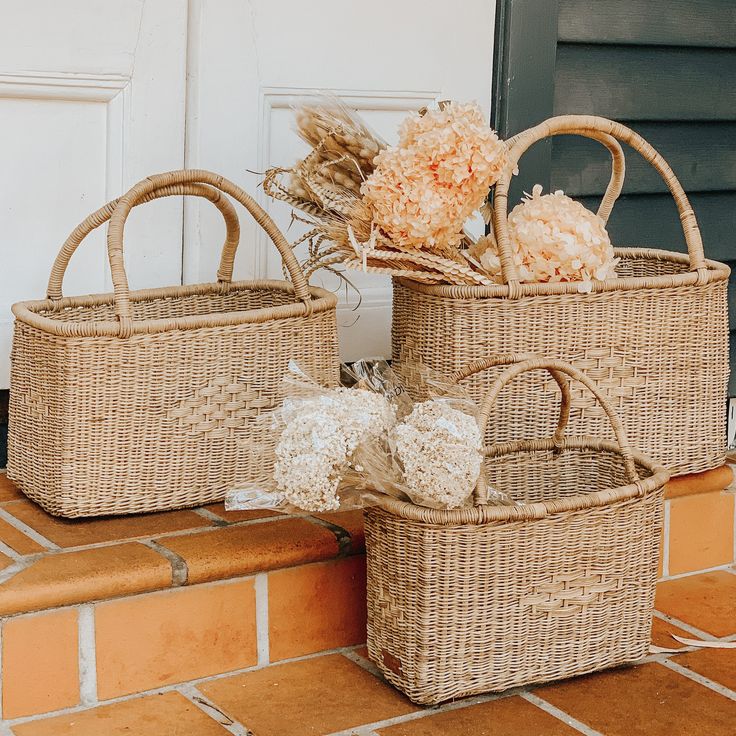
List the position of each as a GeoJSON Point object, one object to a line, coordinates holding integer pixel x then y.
{"type": "Point", "coordinates": [321, 433]}
{"type": "Point", "coordinates": [440, 449]}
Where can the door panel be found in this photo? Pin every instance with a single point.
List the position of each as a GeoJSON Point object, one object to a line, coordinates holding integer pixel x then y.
{"type": "Point", "coordinates": [91, 100]}
{"type": "Point", "coordinates": [250, 61]}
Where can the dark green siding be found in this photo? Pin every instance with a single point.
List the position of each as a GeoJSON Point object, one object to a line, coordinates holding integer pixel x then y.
{"type": "Point", "coordinates": [666, 68]}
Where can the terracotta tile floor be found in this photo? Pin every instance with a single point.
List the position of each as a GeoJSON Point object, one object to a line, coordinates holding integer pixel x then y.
{"type": "Point", "coordinates": [691, 693]}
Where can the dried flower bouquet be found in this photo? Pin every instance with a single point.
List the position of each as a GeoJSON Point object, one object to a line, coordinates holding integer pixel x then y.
{"type": "Point", "coordinates": [342, 447]}
{"type": "Point", "coordinates": [402, 210]}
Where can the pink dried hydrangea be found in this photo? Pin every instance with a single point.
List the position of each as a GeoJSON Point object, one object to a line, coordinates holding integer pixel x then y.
{"type": "Point", "coordinates": [423, 190]}
{"type": "Point", "coordinates": [554, 239]}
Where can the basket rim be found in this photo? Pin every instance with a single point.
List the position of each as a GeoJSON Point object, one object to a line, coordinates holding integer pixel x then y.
{"type": "Point", "coordinates": [716, 271]}
{"type": "Point", "coordinates": [477, 515]}
{"type": "Point", "coordinates": [29, 311]}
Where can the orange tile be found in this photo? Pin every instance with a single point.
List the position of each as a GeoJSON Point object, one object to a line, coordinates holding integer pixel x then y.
{"type": "Point", "coordinates": [234, 516]}
{"type": "Point", "coordinates": [40, 656]}
{"type": "Point", "coordinates": [78, 577]}
{"type": "Point", "coordinates": [316, 607]}
{"type": "Point", "coordinates": [15, 539]}
{"type": "Point", "coordinates": [243, 550]}
{"type": "Point", "coordinates": [707, 482]}
{"type": "Point", "coordinates": [718, 665]}
{"type": "Point", "coordinates": [161, 638]}
{"type": "Point", "coordinates": [312, 696]}
{"type": "Point", "coordinates": [701, 532]}
{"type": "Point", "coordinates": [168, 714]}
{"type": "Point", "coordinates": [705, 601]}
{"type": "Point", "coordinates": [79, 532]}
{"type": "Point", "coordinates": [648, 700]}
{"type": "Point", "coordinates": [5, 561]}
{"type": "Point", "coordinates": [512, 715]}
{"type": "Point", "coordinates": [352, 523]}
{"type": "Point", "coordinates": [8, 490]}
{"type": "Point", "coordinates": [662, 634]}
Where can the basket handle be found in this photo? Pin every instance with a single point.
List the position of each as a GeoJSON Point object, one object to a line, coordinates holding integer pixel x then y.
{"type": "Point", "coordinates": [560, 366]}
{"type": "Point", "coordinates": [585, 125]}
{"type": "Point", "coordinates": [102, 215]}
{"type": "Point", "coordinates": [495, 360]}
{"type": "Point", "coordinates": [618, 167]}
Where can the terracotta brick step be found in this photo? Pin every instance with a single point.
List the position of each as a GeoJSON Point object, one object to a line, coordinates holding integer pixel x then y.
{"type": "Point", "coordinates": [92, 611]}
{"type": "Point", "coordinates": [339, 693]}
{"type": "Point", "coordinates": [47, 562]}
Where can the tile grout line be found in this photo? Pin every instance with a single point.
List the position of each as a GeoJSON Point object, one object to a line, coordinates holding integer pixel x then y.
{"type": "Point", "coordinates": [179, 569]}
{"type": "Point", "coordinates": [700, 679]}
{"type": "Point", "coordinates": [561, 715]}
{"type": "Point", "coordinates": [27, 530]}
{"type": "Point", "coordinates": [718, 568]}
{"type": "Point", "coordinates": [8, 551]}
{"type": "Point", "coordinates": [141, 539]}
{"type": "Point", "coordinates": [343, 537]}
{"type": "Point", "coordinates": [666, 540]}
{"type": "Point", "coordinates": [208, 707]}
{"type": "Point", "coordinates": [262, 629]}
{"type": "Point", "coordinates": [687, 627]}
{"type": "Point", "coordinates": [87, 656]}
{"type": "Point", "coordinates": [207, 514]}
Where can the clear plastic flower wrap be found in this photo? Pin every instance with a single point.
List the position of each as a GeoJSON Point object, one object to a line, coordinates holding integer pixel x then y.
{"type": "Point", "coordinates": [341, 448]}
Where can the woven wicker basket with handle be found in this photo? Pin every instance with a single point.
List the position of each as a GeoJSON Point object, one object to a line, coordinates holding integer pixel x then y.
{"type": "Point", "coordinates": [655, 339]}
{"type": "Point", "coordinates": [146, 400]}
{"type": "Point", "coordinates": [491, 597]}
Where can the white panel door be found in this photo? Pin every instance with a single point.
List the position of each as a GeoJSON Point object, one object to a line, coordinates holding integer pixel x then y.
{"type": "Point", "coordinates": [92, 98]}
{"type": "Point", "coordinates": [249, 60]}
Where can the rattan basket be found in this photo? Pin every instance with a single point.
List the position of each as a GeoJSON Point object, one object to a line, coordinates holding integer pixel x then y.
{"type": "Point", "coordinates": [492, 597]}
{"type": "Point", "coordinates": [146, 400]}
{"type": "Point", "coordinates": [655, 339]}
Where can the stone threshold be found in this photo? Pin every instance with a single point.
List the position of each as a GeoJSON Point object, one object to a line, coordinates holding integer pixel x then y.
{"type": "Point", "coordinates": [47, 562]}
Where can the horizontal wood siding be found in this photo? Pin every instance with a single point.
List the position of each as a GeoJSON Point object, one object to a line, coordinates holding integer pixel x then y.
{"type": "Point", "coordinates": [649, 22]}
{"type": "Point", "coordinates": [646, 83]}
{"type": "Point", "coordinates": [666, 68]}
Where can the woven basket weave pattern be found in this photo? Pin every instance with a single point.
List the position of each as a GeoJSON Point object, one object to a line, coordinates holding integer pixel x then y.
{"type": "Point", "coordinates": [150, 400]}
{"type": "Point", "coordinates": [486, 597]}
{"type": "Point", "coordinates": [455, 611]}
{"type": "Point", "coordinates": [670, 384]}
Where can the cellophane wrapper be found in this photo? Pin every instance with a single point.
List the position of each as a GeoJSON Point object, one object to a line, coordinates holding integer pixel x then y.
{"type": "Point", "coordinates": [346, 447]}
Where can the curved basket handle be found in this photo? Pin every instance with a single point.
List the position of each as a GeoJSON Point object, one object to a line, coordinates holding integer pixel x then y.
{"type": "Point", "coordinates": [618, 167]}
{"type": "Point", "coordinates": [491, 362]}
{"type": "Point", "coordinates": [584, 125]}
{"type": "Point", "coordinates": [116, 229]}
{"type": "Point", "coordinates": [560, 366]}
{"type": "Point", "coordinates": [229, 248]}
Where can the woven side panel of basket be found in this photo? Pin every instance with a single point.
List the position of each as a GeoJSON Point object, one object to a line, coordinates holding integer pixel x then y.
{"type": "Point", "coordinates": [659, 355]}
{"type": "Point", "coordinates": [458, 610]}
{"type": "Point", "coordinates": [176, 411]}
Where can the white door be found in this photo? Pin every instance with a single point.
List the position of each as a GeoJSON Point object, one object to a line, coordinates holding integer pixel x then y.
{"type": "Point", "coordinates": [251, 59]}
{"type": "Point", "coordinates": [96, 95]}
{"type": "Point", "coordinates": [91, 100]}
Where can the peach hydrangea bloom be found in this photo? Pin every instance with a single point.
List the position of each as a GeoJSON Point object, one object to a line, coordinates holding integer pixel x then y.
{"type": "Point", "coordinates": [553, 239]}
{"type": "Point", "coordinates": [423, 190]}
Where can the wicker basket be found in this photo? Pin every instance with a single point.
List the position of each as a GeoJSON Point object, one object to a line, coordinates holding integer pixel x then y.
{"type": "Point", "coordinates": [655, 339]}
{"type": "Point", "coordinates": [492, 597]}
{"type": "Point", "coordinates": [143, 401]}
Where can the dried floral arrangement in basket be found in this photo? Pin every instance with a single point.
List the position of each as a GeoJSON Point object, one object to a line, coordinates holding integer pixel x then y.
{"type": "Point", "coordinates": [403, 209]}
{"type": "Point", "coordinates": [349, 447]}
